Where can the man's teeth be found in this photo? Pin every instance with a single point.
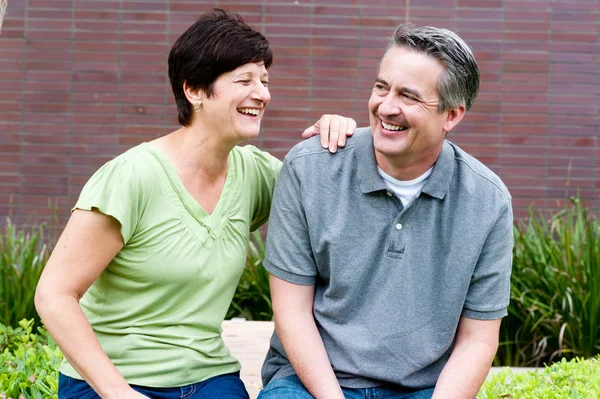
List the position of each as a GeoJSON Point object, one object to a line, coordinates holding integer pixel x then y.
{"type": "Point", "coordinates": [249, 111]}
{"type": "Point", "coordinates": [392, 127]}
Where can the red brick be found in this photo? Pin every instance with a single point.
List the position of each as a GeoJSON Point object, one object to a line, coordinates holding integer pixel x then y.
{"type": "Point", "coordinates": [139, 88]}
{"type": "Point", "coordinates": [574, 16]}
{"type": "Point", "coordinates": [94, 4]}
{"type": "Point", "coordinates": [288, 9]}
{"type": "Point", "coordinates": [51, 4]}
{"type": "Point", "coordinates": [103, 47]}
{"type": "Point", "coordinates": [333, 10]}
{"type": "Point", "coordinates": [398, 13]}
{"type": "Point", "coordinates": [13, 24]}
{"type": "Point", "coordinates": [161, 49]}
{"type": "Point", "coordinates": [290, 19]}
{"type": "Point", "coordinates": [97, 15]}
{"type": "Point", "coordinates": [573, 48]}
{"type": "Point", "coordinates": [288, 41]}
{"type": "Point", "coordinates": [97, 36]}
{"type": "Point", "coordinates": [147, 5]}
{"type": "Point", "coordinates": [143, 28]}
{"type": "Point", "coordinates": [134, 98]}
{"type": "Point", "coordinates": [480, 4]}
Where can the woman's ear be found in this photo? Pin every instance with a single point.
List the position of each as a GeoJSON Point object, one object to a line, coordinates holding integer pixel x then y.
{"type": "Point", "coordinates": [194, 96]}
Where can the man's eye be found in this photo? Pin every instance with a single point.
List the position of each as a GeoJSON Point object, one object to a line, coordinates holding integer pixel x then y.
{"type": "Point", "coordinates": [408, 97]}
{"type": "Point", "coordinates": [265, 83]}
{"type": "Point", "coordinates": [379, 87]}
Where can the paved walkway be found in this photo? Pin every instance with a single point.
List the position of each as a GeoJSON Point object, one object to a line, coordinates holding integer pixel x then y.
{"type": "Point", "coordinates": [248, 341]}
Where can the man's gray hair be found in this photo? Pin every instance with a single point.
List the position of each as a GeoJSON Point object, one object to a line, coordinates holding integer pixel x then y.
{"type": "Point", "coordinates": [459, 84]}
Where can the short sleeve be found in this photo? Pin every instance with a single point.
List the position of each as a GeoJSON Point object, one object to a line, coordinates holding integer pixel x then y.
{"type": "Point", "coordinates": [289, 254]}
{"type": "Point", "coordinates": [115, 191]}
{"type": "Point", "coordinates": [267, 171]}
{"type": "Point", "coordinates": [489, 291]}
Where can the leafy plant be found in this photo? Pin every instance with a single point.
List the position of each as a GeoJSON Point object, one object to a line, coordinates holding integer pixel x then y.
{"type": "Point", "coordinates": [555, 293]}
{"type": "Point", "coordinates": [23, 255]}
{"type": "Point", "coordinates": [252, 299]}
{"type": "Point", "coordinates": [576, 379]}
{"type": "Point", "coordinates": [29, 363]}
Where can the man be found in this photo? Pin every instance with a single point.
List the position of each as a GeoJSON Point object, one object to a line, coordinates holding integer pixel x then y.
{"type": "Point", "coordinates": [400, 295]}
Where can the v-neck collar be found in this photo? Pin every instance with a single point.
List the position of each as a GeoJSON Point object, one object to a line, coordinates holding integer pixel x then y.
{"type": "Point", "coordinates": [212, 223]}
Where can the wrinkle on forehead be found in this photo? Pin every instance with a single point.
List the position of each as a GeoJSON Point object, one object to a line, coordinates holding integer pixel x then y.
{"type": "Point", "coordinates": [406, 68]}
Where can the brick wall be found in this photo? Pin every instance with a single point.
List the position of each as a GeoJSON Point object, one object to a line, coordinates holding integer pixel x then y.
{"type": "Point", "coordinates": [83, 80]}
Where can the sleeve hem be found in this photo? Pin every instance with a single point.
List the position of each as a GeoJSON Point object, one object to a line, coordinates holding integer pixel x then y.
{"type": "Point", "coordinates": [287, 276]}
{"type": "Point", "coordinates": [485, 315]}
{"type": "Point", "coordinates": [119, 218]}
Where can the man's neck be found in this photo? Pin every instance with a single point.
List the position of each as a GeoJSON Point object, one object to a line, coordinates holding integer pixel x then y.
{"type": "Point", "coordinates": [405, 169]}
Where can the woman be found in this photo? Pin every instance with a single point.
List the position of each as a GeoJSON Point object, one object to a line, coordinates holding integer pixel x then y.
{"type": "Point", "coordinates": [141, 278]}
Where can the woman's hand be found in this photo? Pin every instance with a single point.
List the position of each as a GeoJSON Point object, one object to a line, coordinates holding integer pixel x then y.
{"type": "Point", "coordinates": [333, 130]}
{"type": "Point", "coordinates": [128, 394]}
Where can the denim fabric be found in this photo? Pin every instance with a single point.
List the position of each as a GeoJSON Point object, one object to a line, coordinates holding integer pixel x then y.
{"type": "Point", "coordinates": [221, 386]}
{"type": "Point", "coordinates": [291, 388]}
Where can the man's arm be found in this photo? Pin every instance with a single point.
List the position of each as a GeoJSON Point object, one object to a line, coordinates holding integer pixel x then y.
{"type": "Point", "coordinates": [470, 361]}
{"type": "Point", "coordinates": [479, 327]}
{"type": "Point", "coordinates": [298, 333]}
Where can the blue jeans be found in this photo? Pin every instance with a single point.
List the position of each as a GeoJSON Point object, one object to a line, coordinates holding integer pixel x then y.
{"type": "Point", "coordinates": [221, 386]}
{"type": "Point", "coordinates": [291, 388]}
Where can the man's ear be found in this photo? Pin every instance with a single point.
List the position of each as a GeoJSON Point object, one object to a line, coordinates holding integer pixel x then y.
{"type": "Point", "coordinates": [454, 117]}
{"type": "Point", "coordinates": [194, 96]}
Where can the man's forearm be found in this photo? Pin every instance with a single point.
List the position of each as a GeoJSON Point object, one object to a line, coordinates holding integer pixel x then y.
{"type": "Point", "coordinates": [305, 350]}
{"type": "Point", "coordinates": [465, 371]}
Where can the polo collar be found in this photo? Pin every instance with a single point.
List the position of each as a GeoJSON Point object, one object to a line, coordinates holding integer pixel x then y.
{"type": "Point", "coordinates": [438, 183]}
{"type": "Point", "coordinates": [370, 180]}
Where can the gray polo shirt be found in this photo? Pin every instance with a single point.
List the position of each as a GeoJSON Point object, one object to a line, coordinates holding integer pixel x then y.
{"type": "Point", "coordinates": [391, 283]}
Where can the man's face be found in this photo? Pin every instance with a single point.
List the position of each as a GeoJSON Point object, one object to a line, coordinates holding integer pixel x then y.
{"type": "Point", "coordinates": [408, 131]}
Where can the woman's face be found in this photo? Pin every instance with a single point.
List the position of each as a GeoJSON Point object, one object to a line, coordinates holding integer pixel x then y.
{"type": "Point", "coordinates": [238, 102]}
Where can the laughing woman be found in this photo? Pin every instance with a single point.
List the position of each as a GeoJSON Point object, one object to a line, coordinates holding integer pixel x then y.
{"type": "Point", "coordinates": [141, 278]}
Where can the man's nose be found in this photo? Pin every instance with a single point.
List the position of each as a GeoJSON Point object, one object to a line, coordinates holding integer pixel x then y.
{"type": "Point", "coordinates": [390, 105]}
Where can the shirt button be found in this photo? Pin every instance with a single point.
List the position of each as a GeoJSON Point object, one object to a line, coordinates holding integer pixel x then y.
{"type": "Point", "coordinates": [389, 193]}
{"type": "Point", "coordinates": [399, 226]}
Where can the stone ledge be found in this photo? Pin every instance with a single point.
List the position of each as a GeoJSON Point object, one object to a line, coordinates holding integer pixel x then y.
{"type": "Point", "coordinates": [248, 341]}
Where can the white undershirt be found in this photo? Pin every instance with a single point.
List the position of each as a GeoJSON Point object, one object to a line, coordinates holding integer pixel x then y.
{"type": "Point", "coordinates": [405, 190]}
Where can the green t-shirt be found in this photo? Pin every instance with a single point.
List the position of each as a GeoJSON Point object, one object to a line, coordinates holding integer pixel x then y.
{"type": "Point", "coordinates": [157, 308]}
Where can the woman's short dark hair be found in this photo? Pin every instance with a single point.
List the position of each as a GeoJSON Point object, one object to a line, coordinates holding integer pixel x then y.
{"type": "Point", "coordinates": [218, 42]}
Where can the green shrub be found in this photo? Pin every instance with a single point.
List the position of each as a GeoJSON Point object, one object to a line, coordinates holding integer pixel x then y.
{"type": "Point", "coordinates": [555, 293]}
{"type": "Point", "coordinates": [23, 255]}
{"type": "Point", "coordinates": [28, 363]}
{"type": "Point", "coordinates": [252, 299]}
{"type": "Point", "coordinates": [576, 379]}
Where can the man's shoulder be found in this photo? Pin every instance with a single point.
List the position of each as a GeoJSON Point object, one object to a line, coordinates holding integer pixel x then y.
{"type": "Point", "coordinates": [477, 172]}
{"type": "Point", "coordinates": [312, 147]}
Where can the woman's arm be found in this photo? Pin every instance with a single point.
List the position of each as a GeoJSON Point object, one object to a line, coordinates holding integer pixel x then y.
{"type": "Point", "coordinates": [89, 242]}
